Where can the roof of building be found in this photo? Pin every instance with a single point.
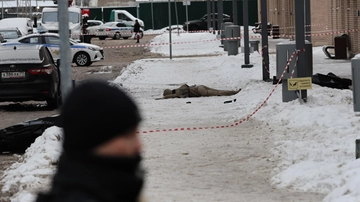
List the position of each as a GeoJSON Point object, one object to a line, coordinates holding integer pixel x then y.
{"type": "Point", "coordinates": [22, 3]}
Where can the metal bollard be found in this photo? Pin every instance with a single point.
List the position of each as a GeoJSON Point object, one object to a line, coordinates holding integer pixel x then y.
{"type": "Point", "coordinates": [232, 31]}
{"type": "Point", "coordinates": [357, 148]}
{"type": "Point", "coordinates": [283, 52]}
{"type": "Point", "coordinates": [255, 45]}
{"type": "Point", "coordinates": [355, 70]}
{"type": "Point", "coordinates": [224, 34]}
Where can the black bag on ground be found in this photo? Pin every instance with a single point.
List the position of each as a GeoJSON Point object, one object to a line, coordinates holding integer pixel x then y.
{"type": "Point", "coordinates": [331, 80]}
{"type": "Point", "coordinates": [19, 137]}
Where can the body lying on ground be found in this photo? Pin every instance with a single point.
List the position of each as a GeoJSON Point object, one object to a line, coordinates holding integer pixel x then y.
{"type": "Point", "coordinates": [185, 91]}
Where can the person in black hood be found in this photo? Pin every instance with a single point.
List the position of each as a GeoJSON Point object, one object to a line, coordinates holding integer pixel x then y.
{"type": "Point", "coordinates": [137, 30]}
{"type": "Point", "coordinates": [100, 161]}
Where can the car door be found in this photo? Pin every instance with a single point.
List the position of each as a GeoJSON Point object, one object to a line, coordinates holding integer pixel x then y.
{"type": "Point", "coordinates": [53, 44]}
{"type": "Point", "coordinates": [125, 31]}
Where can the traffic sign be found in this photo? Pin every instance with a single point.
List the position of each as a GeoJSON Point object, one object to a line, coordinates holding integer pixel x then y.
{"type": "Point", "coordinates": [303, 83]}
{"type": "Point", "coordinates": [186, 3]}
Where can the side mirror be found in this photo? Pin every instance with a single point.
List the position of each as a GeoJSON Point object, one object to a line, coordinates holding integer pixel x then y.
{"type": "Point", "coordinates": [4, 41]}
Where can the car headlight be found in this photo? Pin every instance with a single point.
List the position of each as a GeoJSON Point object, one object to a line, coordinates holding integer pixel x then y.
{"type": "Point", "coordinates": [92, 48]}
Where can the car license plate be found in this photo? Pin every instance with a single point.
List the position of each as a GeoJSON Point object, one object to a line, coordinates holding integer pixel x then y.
{"type": "Point", "coordinates": [100, 30]}
{"type": "Point", "coordinates": [12, 75]}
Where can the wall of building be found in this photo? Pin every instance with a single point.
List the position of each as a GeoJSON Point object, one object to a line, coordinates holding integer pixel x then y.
{"type": "Point", "coordinates": [282, 13]}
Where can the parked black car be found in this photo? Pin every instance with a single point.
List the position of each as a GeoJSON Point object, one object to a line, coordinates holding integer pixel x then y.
{"type": "Point", "coordinates": [29, 73]}
{"type": "Point", "coordinates": [201, 24]}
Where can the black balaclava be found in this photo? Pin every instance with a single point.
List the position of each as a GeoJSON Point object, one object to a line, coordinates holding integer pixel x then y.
{"type": "Point", "coordinates": [94, 113]}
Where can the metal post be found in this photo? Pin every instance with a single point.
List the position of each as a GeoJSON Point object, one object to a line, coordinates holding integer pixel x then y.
{"type": "Point", "coordinates": [176, 15]}
{"type": "Point", "coordinates": [138, 10]}
{"type": "Point", "coordinates": [170, 45]}
{"type": "Point", "coordinates": [220, 14]}
{"type": "Point", "coordinates": [152, 15]}
{"type": "Point", "coordinates": [2, 9]}
{"type": "Point", "coordinates": [235, 12]}
{"type": "Point", "coordinates": [213, 15]}
{"type": "Point", "coordinates": [30, 8]}
{"type": "Point", "coordinates": [308, 19]}
{"type": "Point", "coordinates": [264, 40]}
{"type": "Point", "coordinates": [300, 40]}
{"type": "Point", "coordinates": [187, 15]}
{"type": "Point", "coordinates": [65, 60]}
{"type": "Point", "coordinates": [208, 14]}
{"type": "Point", "coordinates": [102, 14]}
{"type": "Point", "coordinates": [246, 35]}
{"type": "Point", "coordinates": [357, 148]}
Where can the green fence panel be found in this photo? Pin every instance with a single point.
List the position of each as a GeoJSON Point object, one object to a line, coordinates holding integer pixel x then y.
{"type": "Point", "coordinates": [195, 11]}
{"type": "Point", "coordinates": [161, 16]}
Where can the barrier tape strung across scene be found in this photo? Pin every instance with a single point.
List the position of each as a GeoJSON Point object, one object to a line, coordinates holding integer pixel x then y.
{"type": "Point", "coordinates": [173, 43]}
{"type": "Point", "coordinates": [182, 31]}
{"type": "Point", "coordinates": [210, 40]}
{"type": "Point", "coordinates": [233, 124]}
{"type": "Point", "coordinates": [204, 41]}
{"type": "Point", "coordinates": [313, 25]}
{"type": "Point", "coordinates": [263, 58]}
{"type": "Point", "coordinates": [317, 34]}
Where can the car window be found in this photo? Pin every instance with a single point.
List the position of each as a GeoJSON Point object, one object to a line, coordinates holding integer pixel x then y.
{"type": "Point", "coordinates": [31, 40]}
{"type": "Point", "coordinates": [52, 40]}
{"type": "Point", "coordinates": [9, 34]}
{"type": "Point", "coordinates": [122, 16]}
{"type": "Point", "coordinates": [121, 25]}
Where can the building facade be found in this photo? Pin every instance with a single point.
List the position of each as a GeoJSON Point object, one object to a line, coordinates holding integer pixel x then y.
{"type": "Point", "coordinates": [328, 17]}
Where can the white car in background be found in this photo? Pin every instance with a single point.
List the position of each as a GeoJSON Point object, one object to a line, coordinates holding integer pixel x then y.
{"type": "Point", "coordinates": [25, 25]}
{"type": "Point", "coordinates": [10, 34]}
{"type": "Point", "coordinates": [92, 23]}
{"type": "Point", "coordinates": [82, 54]}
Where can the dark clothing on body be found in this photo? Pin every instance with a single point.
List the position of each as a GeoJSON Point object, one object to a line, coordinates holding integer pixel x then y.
{"type": "Point", "coordinates": [137, 27]}
{"type": "Point", "coordinates": [137, 31]}
{"type": "Point", "coordinates": [198, 91]}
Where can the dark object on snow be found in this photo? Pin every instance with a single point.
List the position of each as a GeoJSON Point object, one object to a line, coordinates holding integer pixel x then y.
{"type": "Point", "coordinates": [342, 46]}
{"type": "Point", "coordinates": [17, 138]}
{"type": "Point", "coordinates": [332, 81]}
{"type": "Point", "coordinates": [230, 101]}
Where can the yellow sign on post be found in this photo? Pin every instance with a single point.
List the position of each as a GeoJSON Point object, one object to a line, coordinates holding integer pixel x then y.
{"type": "Point", "coordinates": [303, 83]}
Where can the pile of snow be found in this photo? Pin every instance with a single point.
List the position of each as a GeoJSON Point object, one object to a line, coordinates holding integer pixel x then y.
{"type": "Point", "coordinates": [34, 170]}
{"type": "Point", "coordinates": [314, 141]}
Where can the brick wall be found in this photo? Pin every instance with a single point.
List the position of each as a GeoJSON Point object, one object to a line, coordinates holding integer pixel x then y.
{"type": "Point", "coordinates": [281, 12]}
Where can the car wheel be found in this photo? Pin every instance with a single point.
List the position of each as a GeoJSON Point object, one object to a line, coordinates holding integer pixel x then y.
{"type": "Point", "coordinates": [102, 37]}
{"type": "Point", "coordinates": [82, 59]}
{"type": "Point", "coordinates": [117, 36]}
{"type": "Point", "coordinates": [125, 37]}
{"type": "Point", "coordinates": [55, 102]}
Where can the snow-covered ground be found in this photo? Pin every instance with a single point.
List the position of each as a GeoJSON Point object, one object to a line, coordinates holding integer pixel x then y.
{"type": "Point", "coordinates": [305, 147]}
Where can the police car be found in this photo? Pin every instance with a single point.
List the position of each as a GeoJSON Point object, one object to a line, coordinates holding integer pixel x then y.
{"type": "Point", "coordinates": [115, 30]}
{"type": "Point", "coordinates": [82, 54]}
